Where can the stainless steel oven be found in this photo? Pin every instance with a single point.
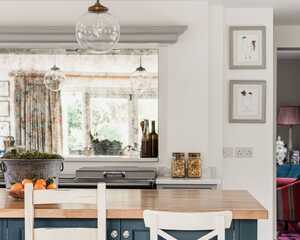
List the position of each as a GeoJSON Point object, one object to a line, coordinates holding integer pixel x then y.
{"type": "Point", "coordinates": [114, 177]}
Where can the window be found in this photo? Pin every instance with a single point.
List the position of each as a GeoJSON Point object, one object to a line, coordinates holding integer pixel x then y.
{"type": "Point", "coordinates": [110, 119]}
{"type": "Point", "coordinates": [73, 123]}
{"type": "Point", "coordinates": [89, 120]}
{"type": "Point", "coordinates": [104, 100]}
{"type": "Point", "coordinates": [102, 115]}
{"type": "Point", "coordinates": [148, 109]}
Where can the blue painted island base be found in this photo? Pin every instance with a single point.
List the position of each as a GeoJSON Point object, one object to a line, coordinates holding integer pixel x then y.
{"type": "Point", "coordinates": [13, 229]}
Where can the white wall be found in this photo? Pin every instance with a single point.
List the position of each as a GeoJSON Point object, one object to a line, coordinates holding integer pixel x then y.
{"type": "Point", "coordinates": [216, 86]}
{"type": "Point", "coordinates": [255, 174]}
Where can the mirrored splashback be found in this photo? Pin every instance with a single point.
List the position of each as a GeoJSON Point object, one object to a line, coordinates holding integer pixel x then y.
{"type": "Point", "coordinates": [81, 104]}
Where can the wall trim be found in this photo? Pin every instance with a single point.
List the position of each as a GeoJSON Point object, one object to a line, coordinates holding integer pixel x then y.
{"type": "Point", "coordinates": [60, 36]}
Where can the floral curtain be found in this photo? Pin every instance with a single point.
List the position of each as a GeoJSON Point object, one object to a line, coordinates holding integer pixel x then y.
{"type": "Point", "coordinates": [38, 120]}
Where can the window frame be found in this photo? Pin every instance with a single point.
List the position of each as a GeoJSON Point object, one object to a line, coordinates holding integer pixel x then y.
{"type": "Point", "coordinates": [133, 118]}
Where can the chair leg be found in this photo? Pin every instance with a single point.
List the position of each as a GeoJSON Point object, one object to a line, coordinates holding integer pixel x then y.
{"type": "Point", "coordinates": [286, 226]}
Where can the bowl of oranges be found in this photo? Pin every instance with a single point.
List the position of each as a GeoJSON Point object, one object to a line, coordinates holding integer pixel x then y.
{"type": "Point", "coordinates": [19, 164]}
{"type": "Point", "coordinates": [16, 190]}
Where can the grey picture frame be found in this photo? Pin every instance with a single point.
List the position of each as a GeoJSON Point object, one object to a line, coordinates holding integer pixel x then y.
{"type": "Point", "coordinates": [7, 103]}
{"type": "Point", "coordinates": [6, 85]}
{"type": "Point", "coordinates": [232, 29]}
{"type": "Point", "coordinates": [263, 101]}
{"type": "Point", "coordinates": [8, 126]}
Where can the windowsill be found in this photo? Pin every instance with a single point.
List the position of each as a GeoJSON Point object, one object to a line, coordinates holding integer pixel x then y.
{"type": "Point", "coordinates": [107, 159]}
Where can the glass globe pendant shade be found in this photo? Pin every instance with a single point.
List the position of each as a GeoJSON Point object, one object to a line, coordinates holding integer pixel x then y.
{"type": "Point", "coordinates": [140, 82]}
{"type": "Point", "coordinates": [53, 79]}
{"type": "Point", "coordinates": [97, 29]}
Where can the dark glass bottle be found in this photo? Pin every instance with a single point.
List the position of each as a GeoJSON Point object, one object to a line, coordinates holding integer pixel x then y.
{"type": "Point", "coordinates": [148, 139]}
{"type": "Point", "coordinates": [153, 137]}
{"type": "Point", "coordinates": [145, 139]}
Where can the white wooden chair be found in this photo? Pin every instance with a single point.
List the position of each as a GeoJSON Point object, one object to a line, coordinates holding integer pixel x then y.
{"type": "Point", "coordinates": [215, 222]}
{"type": "Point", "coordinates": [82, 196]}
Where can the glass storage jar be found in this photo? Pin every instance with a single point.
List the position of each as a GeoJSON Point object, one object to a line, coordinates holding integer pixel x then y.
{"type": "Point", "coordinates": [178, 165]}
{"type": "Point", "coordinates": [194, 169]}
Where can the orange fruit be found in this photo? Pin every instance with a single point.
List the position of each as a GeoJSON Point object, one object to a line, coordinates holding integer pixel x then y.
{"type": "Point", "coordinates": [17, 187]}
{"type": "Point", "coordinates": [41, 182]}
{"type": "Point", "coordinates": [39, 186]}
{"type": "Point", "coordinates": [52, 186]}
{"type": "Point", "coordinates": [25, 181]}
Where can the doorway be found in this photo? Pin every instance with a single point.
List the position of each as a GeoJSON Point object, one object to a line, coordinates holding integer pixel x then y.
{"type": "Point", "coordinates": [288, 143]}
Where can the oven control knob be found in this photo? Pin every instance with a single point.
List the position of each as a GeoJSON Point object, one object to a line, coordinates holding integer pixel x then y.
{"type": "Point", "coordinates": [126, 234]}
{"type": "Point", "coordinates": [114, 234]}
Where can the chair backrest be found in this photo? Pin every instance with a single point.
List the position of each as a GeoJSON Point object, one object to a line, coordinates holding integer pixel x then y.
{"type": "Point", "coordinates": [81, 196]}
{"type": "Point", "coordinates": [215, 222]}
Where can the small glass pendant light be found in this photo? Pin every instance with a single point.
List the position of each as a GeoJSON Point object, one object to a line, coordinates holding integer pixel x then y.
{"type": "Point", "coordinates": [139, 80]}
{"type": "Point", "coordinates": [53, 78]}
{"type": "Point", "coordinates": [97, 29]}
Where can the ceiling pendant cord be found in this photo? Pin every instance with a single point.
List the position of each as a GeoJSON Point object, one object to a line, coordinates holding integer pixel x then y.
{"type": "Point", "coordinates": [141, 61]}
{"type": "Point", "coordinates": [55, 61]}
{"type": "Point", "coordinates": [141, 68]}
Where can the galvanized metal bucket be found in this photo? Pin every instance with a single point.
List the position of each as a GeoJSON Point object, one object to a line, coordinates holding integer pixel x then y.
{"type": "Point", "coordinates": [15, 170]}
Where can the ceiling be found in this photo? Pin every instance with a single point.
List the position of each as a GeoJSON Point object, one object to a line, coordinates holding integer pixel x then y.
{"type": "Point", "coordinates": [287, 12]}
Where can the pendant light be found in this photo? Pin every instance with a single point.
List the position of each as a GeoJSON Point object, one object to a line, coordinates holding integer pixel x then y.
{"type": "Point", "coordinates": [139, 80]}
{"type": "Point", "coordinates": [97, 29]}
{"type": "Point", "coordinates": [53, 78]}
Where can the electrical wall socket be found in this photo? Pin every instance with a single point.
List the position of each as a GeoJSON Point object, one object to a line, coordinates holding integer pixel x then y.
{"type": "Point", "coordinates": [228, 152]}
{"type": "Point", "coordinates": [243, 152]}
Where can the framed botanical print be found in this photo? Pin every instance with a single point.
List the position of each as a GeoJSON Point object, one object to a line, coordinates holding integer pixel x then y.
{"type": "Point", "coordinates": [247, 47]}
{"type": "Point", "coordinates": [4, 108]}
{"type": "Point", "coordinates": [4, 128]}
{"type": "Point", "coordinates": [247, 101]}
{"type": "Point", "coordinates": [4, 88]}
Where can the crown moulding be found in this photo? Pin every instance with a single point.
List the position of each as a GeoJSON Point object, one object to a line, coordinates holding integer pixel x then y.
{"type": "Point", "coordinates": [64, 36]}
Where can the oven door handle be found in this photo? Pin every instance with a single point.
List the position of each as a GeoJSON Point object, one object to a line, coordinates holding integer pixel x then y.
{"type": "Point", "coordinates": [107, 174]}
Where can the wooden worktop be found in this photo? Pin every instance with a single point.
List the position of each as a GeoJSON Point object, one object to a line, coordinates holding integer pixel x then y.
{"type": "Point", "coordinates": [129, 204]}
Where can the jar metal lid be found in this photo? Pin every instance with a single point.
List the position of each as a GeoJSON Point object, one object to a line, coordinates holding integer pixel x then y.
{"type": "Point", "coordinates": [178, 154]}
{"type": "Point", "coordinates": [194, 155]}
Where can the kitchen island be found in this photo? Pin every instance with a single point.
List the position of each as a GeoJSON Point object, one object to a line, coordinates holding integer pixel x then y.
{"type": "Point", "coordinates": [125, 212]}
